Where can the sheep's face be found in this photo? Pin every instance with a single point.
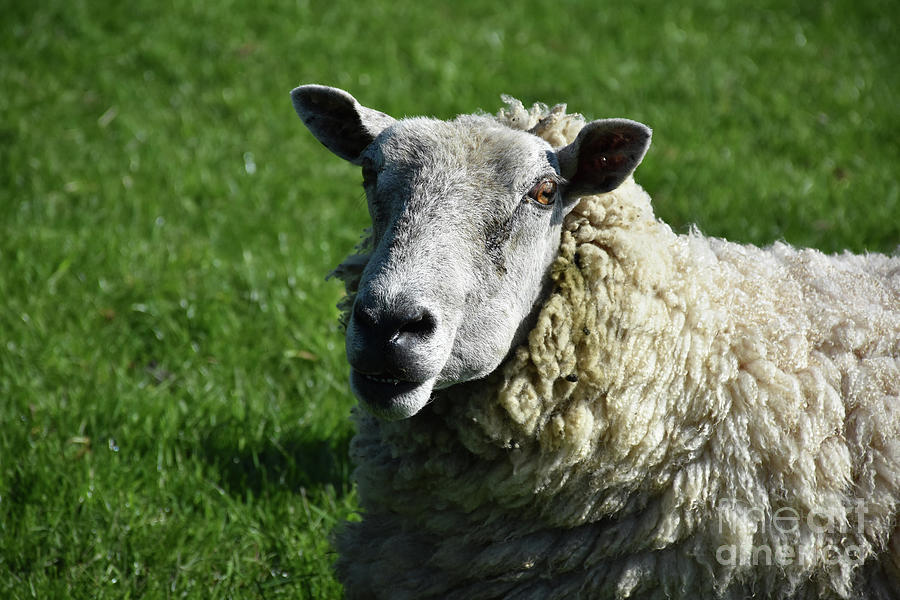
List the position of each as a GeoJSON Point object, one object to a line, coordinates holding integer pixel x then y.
{"type": "Point", "coordinates": [466, 219]}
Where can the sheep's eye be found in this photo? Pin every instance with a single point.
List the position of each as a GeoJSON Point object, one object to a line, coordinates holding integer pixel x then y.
{"type": "Point", "coordinates": [543, 192]}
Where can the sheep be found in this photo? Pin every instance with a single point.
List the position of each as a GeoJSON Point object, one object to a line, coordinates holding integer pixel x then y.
{"type": "Point", "coordinates": [566, 399]}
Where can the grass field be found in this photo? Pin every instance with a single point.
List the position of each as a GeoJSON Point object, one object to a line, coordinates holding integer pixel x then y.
{"type": "Point", "coordinates": [173, 404]}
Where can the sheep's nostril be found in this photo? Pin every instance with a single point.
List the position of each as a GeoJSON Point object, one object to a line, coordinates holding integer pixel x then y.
{"type": "Point", "coordinates": [410, 338]}
{"type": "Point", "coordinates": [420, 326]}
{"type": "Point", "coordinates": [363, 316]}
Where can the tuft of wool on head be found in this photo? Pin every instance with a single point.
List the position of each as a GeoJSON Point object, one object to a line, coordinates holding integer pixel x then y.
{"type": "Point", "coordinates": [675, 394]}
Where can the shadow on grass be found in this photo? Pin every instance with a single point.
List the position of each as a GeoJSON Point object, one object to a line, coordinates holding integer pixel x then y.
{"type": "Point", "coordinates": [290, 462]}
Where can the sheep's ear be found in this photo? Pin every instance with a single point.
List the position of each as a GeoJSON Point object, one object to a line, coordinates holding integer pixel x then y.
{"type": "Point", "coordinates": [603, 155]}
{"type": "Point", "coordinates": [337, 120]}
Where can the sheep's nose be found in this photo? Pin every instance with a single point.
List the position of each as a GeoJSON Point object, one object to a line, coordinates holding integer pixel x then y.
{"type": "Point", "coordinates": [392, 340]}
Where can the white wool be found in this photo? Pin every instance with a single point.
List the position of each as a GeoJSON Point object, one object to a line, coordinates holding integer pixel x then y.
{"type": "Point", "coordinates": [679, 400]}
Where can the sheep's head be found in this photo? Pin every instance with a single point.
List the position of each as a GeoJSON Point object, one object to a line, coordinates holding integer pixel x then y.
{"type": "Point", "coordinates": [466, 221]}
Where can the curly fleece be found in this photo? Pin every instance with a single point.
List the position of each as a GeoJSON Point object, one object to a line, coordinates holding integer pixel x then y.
{"type": "Point", "coordinates": [689, 418]}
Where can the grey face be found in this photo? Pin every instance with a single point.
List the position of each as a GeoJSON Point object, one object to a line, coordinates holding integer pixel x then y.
{"type": "Point", "coordinates": [466, 221]}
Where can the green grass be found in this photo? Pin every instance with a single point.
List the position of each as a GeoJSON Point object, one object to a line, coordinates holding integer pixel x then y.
{"type": "Point", "coordinates": [173, 405]}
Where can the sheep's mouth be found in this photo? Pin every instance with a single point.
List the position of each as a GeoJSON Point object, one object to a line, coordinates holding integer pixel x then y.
{"type": "Point", "coordinates": [385, 379]}
{"type": "Point", "coordinates": [388, 397]}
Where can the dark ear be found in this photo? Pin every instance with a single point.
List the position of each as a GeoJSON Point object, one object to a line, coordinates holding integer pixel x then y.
{"type": "Point", "coordinates": [603, 155]}
{"type": "Point", "coordinates": [337, 120]}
